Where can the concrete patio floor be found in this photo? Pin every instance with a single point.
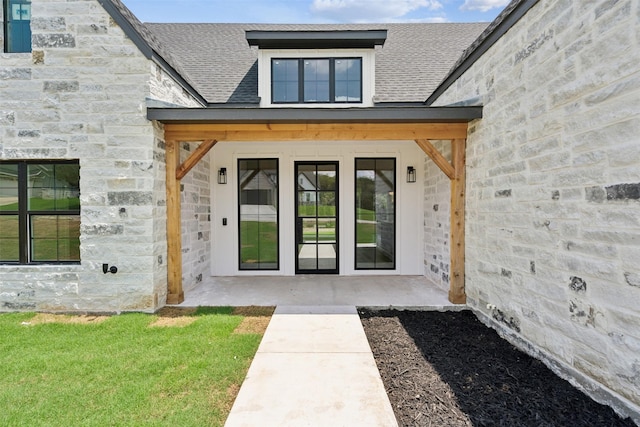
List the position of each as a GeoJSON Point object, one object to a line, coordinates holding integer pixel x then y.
{"type": "Point", "coordinates": [415, 292]}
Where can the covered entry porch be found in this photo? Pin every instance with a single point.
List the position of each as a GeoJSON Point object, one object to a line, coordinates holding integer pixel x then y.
{"type": "Point", "coordinates": [415, 123]}
{"type": "Point", "coordinates": [326, 290]}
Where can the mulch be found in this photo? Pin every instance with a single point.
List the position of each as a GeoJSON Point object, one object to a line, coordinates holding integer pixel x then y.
{"type": "Point", "coordinates": [448, 369]}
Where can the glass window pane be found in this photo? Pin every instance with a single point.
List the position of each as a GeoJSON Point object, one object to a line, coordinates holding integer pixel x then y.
{"type": "Point", "coordinates": [67, 176]}
{"type": "Point", "coordinates": [341, 93]}
{"type": "Point", "coordinates": [55, 238]}
{"type": "Point", "coordinates": [284, 80]}
{"type": "Point", "coordinates": [375, 213]}
{"type": "Point", "coordinates": [69, 238]}
{"type": "Point", "coordinates": [8, 176]}
{"type": "Point", "coordinates": [348, 77]}
{"type": "Point", "coordinates": [306, 179]}
{"type": "Point", "coordinates": [309, 230]}
{"type": "Point", "coordinates": [9, 238]}
{"type": "Point", "coordinates": [354, 70]}
{"type": "Point", "coordinates": [354, 92]}
{"type": "Point", "coordinates": [327, 230]}
{"type": "Point", "coordinates": [306, 203]}
{"type": "Point", "coordinates": [327, 257]}
{"type": "Point", "coordinates": [327, 203]}
{"type": "Point", "coordinates": [8, 199]}
{"type": "Point", "coordinates": [307, 256]}
{"type": "Point", "coordinates": [258, 195]}
{"type": "Point", "coordinates": [316, 80]}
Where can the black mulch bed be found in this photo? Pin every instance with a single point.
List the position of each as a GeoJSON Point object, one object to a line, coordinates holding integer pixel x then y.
{"type": "Point", "coordinates": [448, 369]}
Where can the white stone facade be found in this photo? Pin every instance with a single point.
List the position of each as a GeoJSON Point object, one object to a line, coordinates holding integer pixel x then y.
{"type": "Point", "coordinates": [553, 189]}
{"type": "Point", "coordinates": [81, 95]}
{"type": "Point", "coordinates": [437, 219]}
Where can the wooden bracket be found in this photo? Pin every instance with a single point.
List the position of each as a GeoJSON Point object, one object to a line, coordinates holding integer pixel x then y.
{"type": "Point", "coordinates": [194, 158]}
{"type": "Point", "coordinates": [437, 157]}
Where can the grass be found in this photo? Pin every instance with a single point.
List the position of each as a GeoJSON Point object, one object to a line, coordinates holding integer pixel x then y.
{"type": "Point", "coordinates": [122, 371]}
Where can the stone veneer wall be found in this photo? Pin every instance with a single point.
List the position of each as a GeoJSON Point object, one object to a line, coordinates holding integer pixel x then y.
{"type": "Point", "coordinates": [437, 222]}
{"type": "Point", "coordinates": [164, 88]}
{"type": "Point", "coordinates": [81, 95]}
{"type": "Point", "coordinates": [196, 220]}
{"type": "Point", "coordinates": [553, 202]}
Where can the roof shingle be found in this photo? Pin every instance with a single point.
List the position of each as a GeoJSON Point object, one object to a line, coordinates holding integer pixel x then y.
{"type": "Point", "coordinates": [221, 65]}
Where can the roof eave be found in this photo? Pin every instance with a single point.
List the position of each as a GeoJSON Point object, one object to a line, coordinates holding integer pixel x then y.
{"type": "Point", "coordinates": [503, 23]}
{"type": "Point", "coordinates": [147, 50]}
{"type": "Point", "coordinates": [345, 39]}
{"type": "Point", "coordinates": [325, 115]}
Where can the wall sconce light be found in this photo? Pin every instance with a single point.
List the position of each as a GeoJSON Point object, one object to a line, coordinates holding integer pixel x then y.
{"type": "Point", "coordinates": [222, 176]}
{"type": "Point", "coordinates": [411, 174]}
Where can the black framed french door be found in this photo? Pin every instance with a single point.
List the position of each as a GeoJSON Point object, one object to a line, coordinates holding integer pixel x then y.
{"type": "Point", "coordinates": [316, 217]}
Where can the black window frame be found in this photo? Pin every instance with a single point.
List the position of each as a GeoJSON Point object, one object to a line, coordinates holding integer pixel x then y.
{"type": "Point", "coordinates": [8, 22]}
{"type": "Point", "coordinates": [25, 232]}
{"type": "Point", "coordinates": [239, 190]}
{"type": "Point", "coordinates": [395, 215]}
{"type": "Point", "coordinates": [332, 80]}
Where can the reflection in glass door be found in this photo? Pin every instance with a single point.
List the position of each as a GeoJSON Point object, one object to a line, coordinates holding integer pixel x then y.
{"type": "Point", "coordinates": [375, 214]}
{"type": "Point", "coordinates": [258, 214]}
{"type": "Point", "coordinates": [316, 217]}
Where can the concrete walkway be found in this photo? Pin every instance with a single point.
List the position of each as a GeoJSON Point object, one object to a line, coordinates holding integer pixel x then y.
{"type": "Point", "coordinates": [314, 367]}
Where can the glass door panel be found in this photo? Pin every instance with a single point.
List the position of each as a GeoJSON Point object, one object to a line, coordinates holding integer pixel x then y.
{"type": "Point", "coordinates": [375, 214]}
{"type": "Point", "coordinates": [316, 217]}
{"type": "Point", "coordinates": [258, 211]}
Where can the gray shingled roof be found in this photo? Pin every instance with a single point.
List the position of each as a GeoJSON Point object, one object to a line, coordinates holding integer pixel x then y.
{"type": "Point", "coordinates": [217, 60]}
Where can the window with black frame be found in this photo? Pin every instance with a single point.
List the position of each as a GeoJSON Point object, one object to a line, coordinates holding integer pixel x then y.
{"type": "Point", "coordinates": [375, 214]}
{"type": "Point", "coordinates": [39, 212]}
{"type": "Point", "coordinates": [258, 214]}
{"type": "Point", "coordinates": [17, 26]}
{"type": "Point", "coordinates": [316, 80]}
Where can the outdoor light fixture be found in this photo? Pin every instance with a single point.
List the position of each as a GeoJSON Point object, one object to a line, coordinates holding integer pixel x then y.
{"type": "Point", "coordinates": [222, 176]}
{"type": "Point", "coordinates": [411, 174]}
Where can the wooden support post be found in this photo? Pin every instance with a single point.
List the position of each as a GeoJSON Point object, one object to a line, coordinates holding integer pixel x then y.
{"type": "Point", "coordinates": [174, 236]}
{"type": "Point", "coordinates": [456, 279]}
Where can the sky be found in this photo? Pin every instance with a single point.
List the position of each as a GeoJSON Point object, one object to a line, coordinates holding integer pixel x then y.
{"type": "Point", "coordinates": [316, 11]}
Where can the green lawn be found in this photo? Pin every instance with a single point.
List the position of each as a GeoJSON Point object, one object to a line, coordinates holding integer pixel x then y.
{"type": "Point", "coordinates": [121, 371]}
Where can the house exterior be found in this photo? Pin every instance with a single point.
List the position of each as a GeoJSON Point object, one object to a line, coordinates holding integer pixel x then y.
{"type": "Point", "coordinates": [174, 152]}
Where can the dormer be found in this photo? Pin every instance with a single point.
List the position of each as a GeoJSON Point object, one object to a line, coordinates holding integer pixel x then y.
{"type": "Point", "coordinates": [317, 69]}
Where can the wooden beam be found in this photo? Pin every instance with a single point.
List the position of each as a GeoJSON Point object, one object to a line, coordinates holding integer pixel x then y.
{"type": "Point", "coordinates": [175, 293]}
{"type": "Point", "coordinates": [195, 157]}
{"type": "Point", "coordinates": [437, 157]}
{"type": "Point", "coordinates": [315, 131]}
{"type": "Point", "coordinates": [458, 184]}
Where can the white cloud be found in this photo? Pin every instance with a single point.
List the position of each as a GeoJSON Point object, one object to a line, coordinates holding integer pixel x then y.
{"type": "Point", "coordinates": [483, 5]}
{"type": "Point", "coordinates": [370, 10]}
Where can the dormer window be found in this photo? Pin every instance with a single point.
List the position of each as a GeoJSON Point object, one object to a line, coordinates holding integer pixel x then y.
{"type": "Point", "coordinates": [316, 68]}
{"type": "Point", "coordinates": [316, 80]}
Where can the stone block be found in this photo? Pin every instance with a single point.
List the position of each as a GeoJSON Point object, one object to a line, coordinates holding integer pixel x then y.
{"type": "Point", "coordinates": [61, 86]}
{"type": "Point", "coordinates": [61, 40]}
{"type": "Point", "coordinates": [130, 197]}
{"type": "Point", "coordinates": [623, 192]}
{"type": "Point", "coordinates": [12, 73]}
